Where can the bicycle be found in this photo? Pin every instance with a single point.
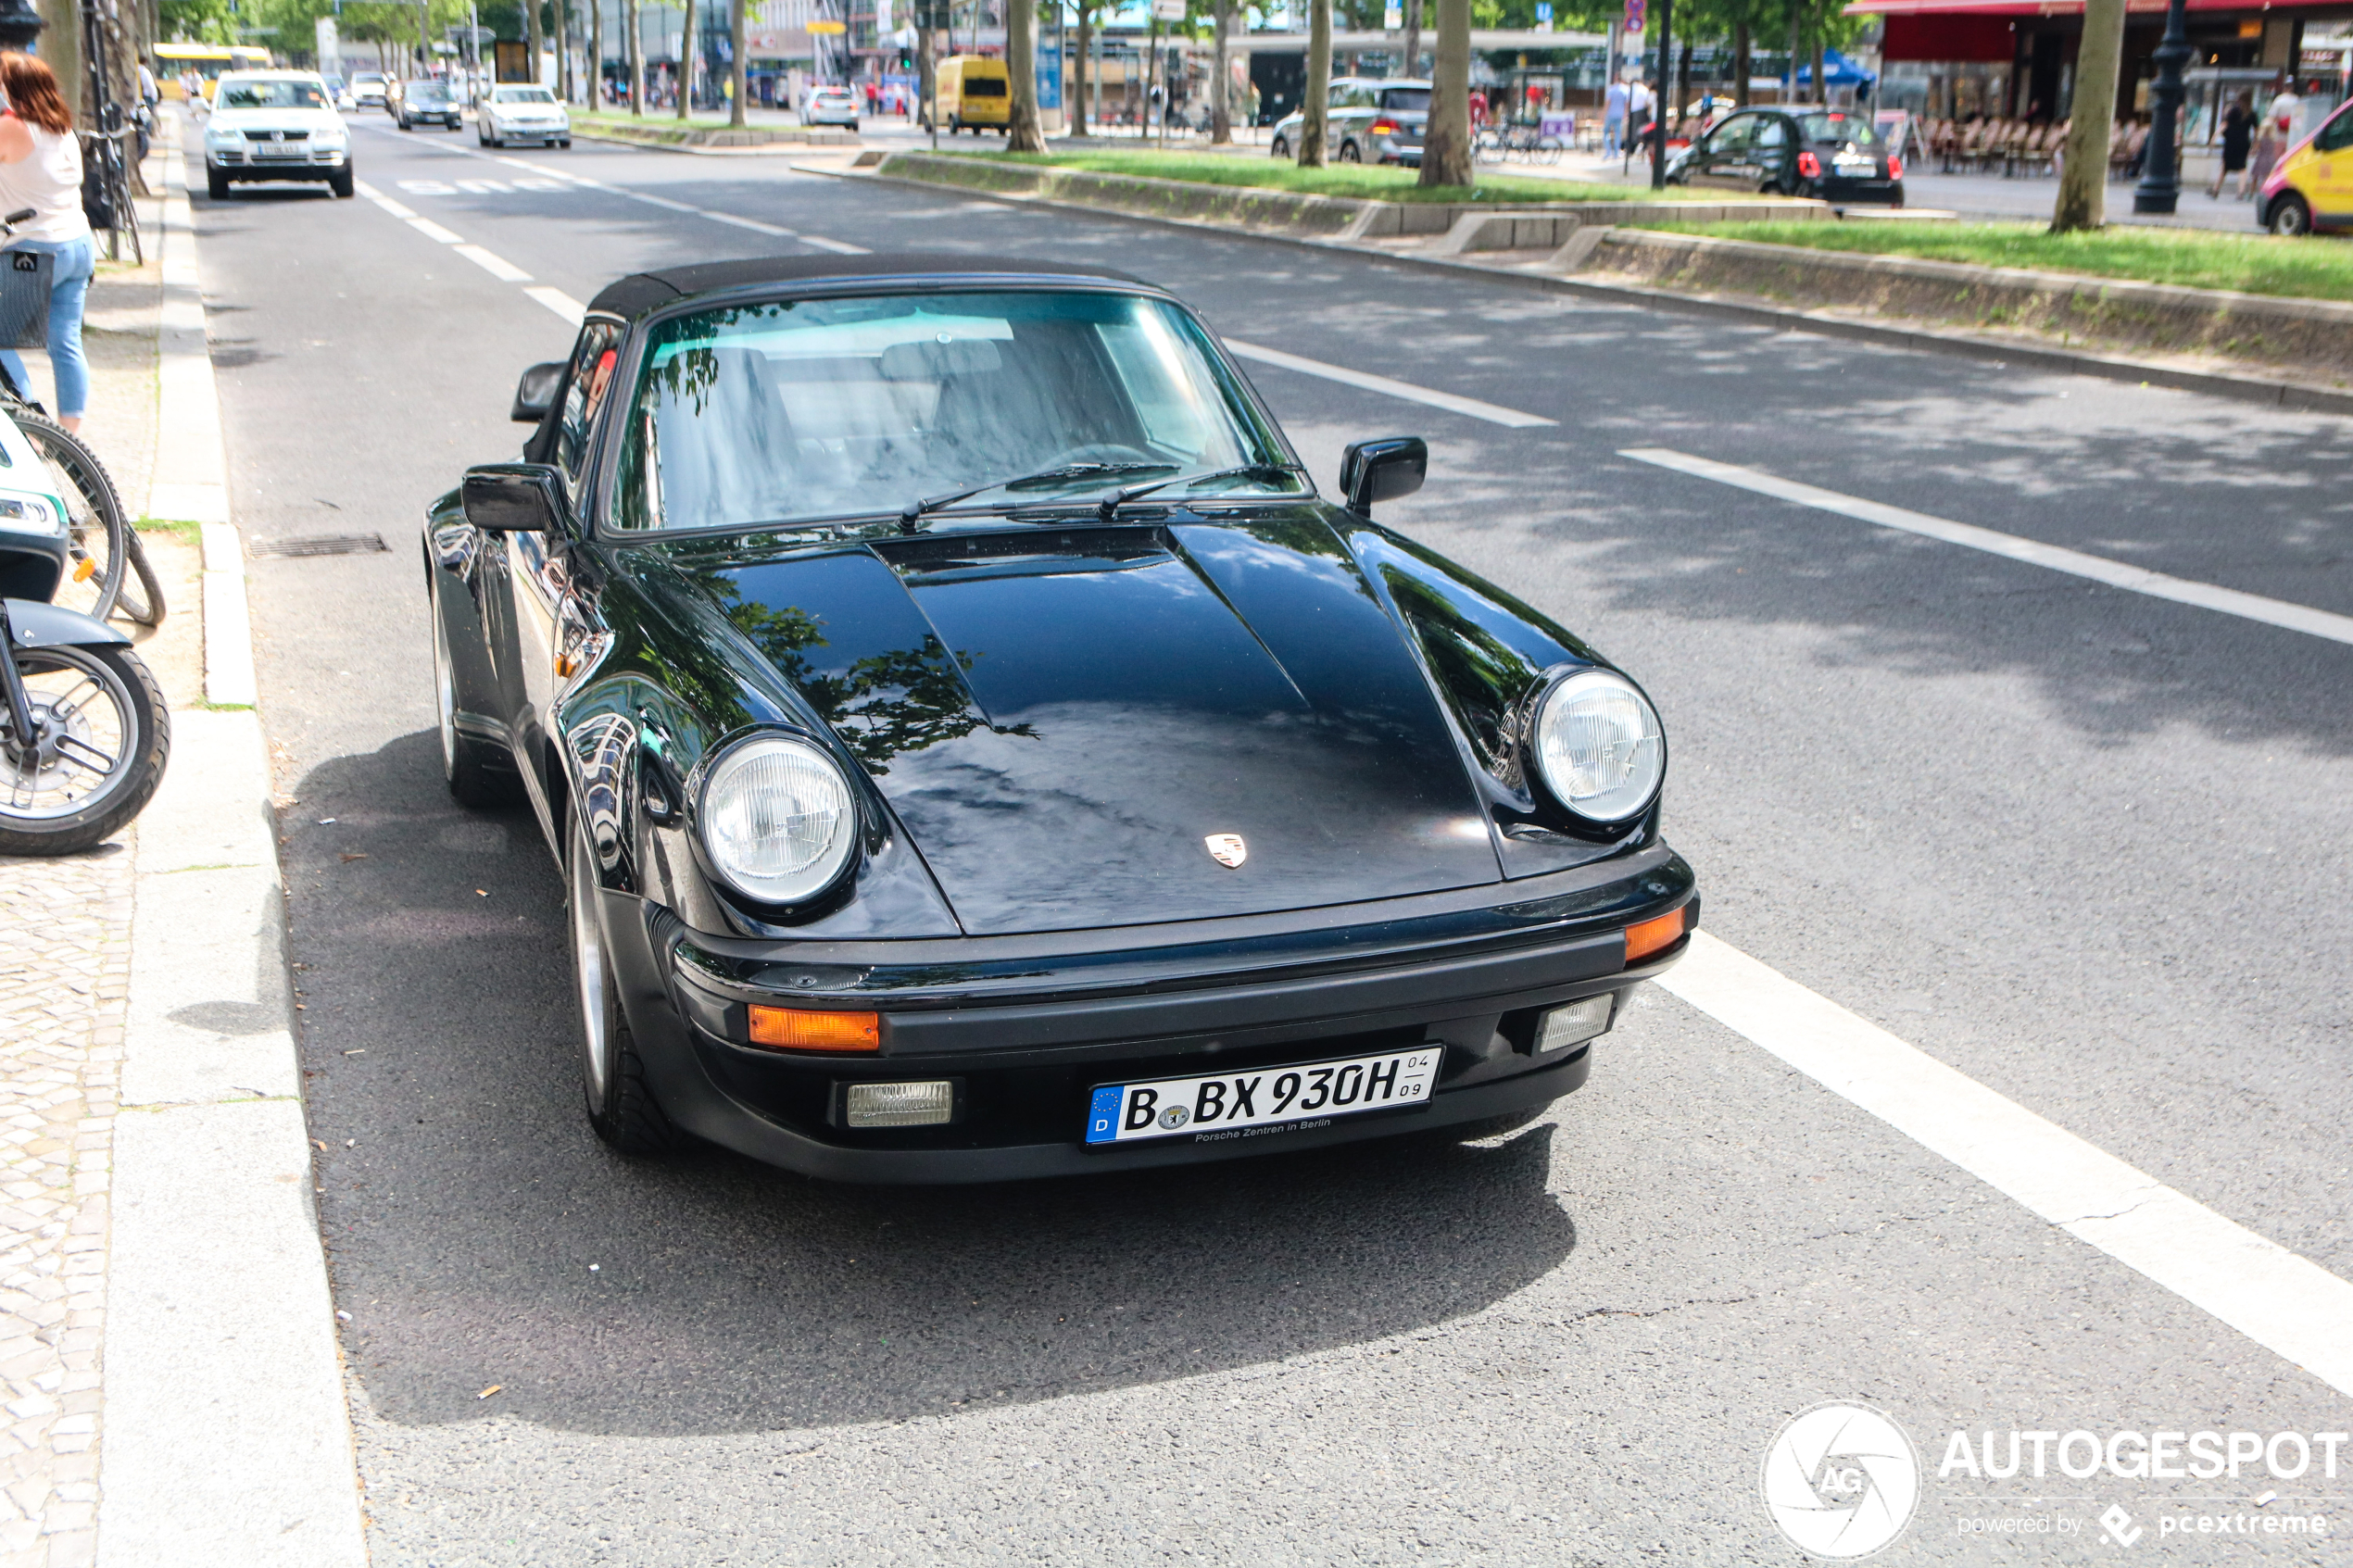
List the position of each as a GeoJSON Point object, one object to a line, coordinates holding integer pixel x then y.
{"type": "Point", "coordinates": [105, 554]}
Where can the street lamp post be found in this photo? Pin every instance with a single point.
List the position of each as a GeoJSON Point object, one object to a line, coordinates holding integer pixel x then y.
{"type": "Point", "coordinates": [2160, 187]}
{"type": "Point", "coordinates": [1658, 98]}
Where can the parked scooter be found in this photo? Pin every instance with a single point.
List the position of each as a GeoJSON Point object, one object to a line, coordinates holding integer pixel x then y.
{"type": "Point", "coordinates": [83, 731]}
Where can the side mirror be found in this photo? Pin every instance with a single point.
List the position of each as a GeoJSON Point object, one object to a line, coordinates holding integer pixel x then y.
{"type": "Point", "coordinates": [1382, 471]}
{"type": "Point", "coordinates": [535, 393]}
{"type": "Point", "coordinates": [518, 498]}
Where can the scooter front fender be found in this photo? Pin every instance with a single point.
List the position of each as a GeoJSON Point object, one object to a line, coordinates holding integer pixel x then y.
{"type": "Point", "coordinates": [33, 625]}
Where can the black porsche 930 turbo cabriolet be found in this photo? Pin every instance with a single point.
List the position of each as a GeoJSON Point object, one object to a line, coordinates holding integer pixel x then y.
{"type": "Point", "coordinates": [974, 750]}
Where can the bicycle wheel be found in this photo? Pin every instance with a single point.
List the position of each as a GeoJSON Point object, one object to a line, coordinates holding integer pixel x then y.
{"type": "Point", "coordinates": [100, 550]}
{"type": "Point", "coordinates": [101, 736]}
{"type": "Point", "coordinates": [142, 597]}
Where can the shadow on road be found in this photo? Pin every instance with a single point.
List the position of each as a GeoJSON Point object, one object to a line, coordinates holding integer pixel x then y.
{"type": "Point", "coordinates": [479, 1234]}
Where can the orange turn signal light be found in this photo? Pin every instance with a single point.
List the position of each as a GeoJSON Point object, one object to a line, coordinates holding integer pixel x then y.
{"type": "Point", "coordinates": [791, 1029]}
{"type": "Point", "coordinates": [1650, 936]}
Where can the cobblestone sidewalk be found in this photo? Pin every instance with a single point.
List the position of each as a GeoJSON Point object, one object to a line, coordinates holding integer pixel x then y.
{"type": "Point", "coordinates": [64, 964]}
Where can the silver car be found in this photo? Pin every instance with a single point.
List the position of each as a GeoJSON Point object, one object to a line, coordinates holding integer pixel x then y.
{"type": "Point", "coordinates": [521, 113]}
{"type": "Point", "coordinates": [1369, 120]}
{"type": "Point", "coordinates": [830, 105]}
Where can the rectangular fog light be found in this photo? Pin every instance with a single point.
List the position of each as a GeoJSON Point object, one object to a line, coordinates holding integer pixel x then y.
{"type": "Point", "coordinates": [1564, 1026]}
{"type": "Point", "coordinates": [899, 1104]}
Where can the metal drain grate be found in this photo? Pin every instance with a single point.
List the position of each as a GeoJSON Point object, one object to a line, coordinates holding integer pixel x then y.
{"type": "Point", "coordinates": [322, 545]}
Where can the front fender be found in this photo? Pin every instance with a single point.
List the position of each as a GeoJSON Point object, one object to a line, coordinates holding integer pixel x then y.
{"type": "Point", "coordinates": [33, 625]}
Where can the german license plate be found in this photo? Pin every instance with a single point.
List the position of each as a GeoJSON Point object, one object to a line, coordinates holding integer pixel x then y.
{"type": "Point", "coordinates": [1262, 1100]}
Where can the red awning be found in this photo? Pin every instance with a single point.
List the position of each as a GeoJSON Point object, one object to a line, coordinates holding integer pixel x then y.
{"type": "Point", "coordinates": [2063, 7]}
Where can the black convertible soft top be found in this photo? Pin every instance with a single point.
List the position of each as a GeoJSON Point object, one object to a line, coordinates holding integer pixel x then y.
{"type": "Point", "coordinates": [641, 292]}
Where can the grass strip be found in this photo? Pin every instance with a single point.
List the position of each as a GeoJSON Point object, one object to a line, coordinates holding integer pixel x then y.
{"type": "Point", "coordinates": [1359, 181]}
{"type": "Point", "coordinates": [2197, 258]}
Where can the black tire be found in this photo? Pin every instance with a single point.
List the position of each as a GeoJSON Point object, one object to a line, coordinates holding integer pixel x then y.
{"type": "Point", "coordinates": [1350, 152]}
{"type": "Point", "coordinates": [142, 597]}
{"type": "Point", "coordinates": [142, 737]}
{"type": "Point", "coordinates": [1282, 148]}
{"type": "Point", "coordinates": [565, 142]}
{"type": "Point", "coordinates": [2290, 216]}
{"type": "Point", "coordinates": [622, 1108]}
{"type": "Point", "coordinates": [478, 774]}
{"type": "Point", "coordinates": [216, 185]}
{"type": "Point", "coordinates": [405, 123]}
{"type": "Point", "coordinates": [341, 183]}
{"type": "Point", "coordinates": [100, 534]}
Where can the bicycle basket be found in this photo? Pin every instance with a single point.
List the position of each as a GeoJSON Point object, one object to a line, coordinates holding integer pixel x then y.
{"type": "Point", "coordinates": [25, 277]}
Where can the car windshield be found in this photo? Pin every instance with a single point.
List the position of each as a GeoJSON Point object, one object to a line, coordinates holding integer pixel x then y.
{"type": "Point", "coordinates": [1406, 100]}
{"type": "Point", "coordinates": [1838, 128]}
{"type": "Point", "coordinates": [787, 412]}
{"type": "Point", "coordinates": [523, 95]}
{"type": "Point", "coordinates": [235, 95]}
{"type": "Point", "coordinates": [428, 92]}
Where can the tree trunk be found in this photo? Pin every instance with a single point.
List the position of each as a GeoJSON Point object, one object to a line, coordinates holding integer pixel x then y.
{"type": "Point", "coordinates": [1413, 38]}
{"type": "Point", "coordinates": [737, 38]}
{"type": "Point", "coordinates": [1446, 143]}
{"type": "Point", "coordinates": [1314, 109]}
{"type": "Point", "coordinates": [1740, 62]}
{"type": "Point", "coordinates": [1683, 83]}
{"type": "Point", "coordinates": [1821, 78]}
{"type": "Point", "coordinates": [563, 50]}
{"type": "Point", "coordinates": [637, 56]}
{"type": "Point", "coordinates": [2082, 187]}
{"type": "Point", "coordinates": [596, 55]}
{"type": "Point", "coordinates": [687, 59]}
{"type": "Point", "coordinates": [1021, 63]}
{"type": "Point", "coordinates": [1221, 92]}
{"type": "Point", "coordinates": [535, 38]}
{"type": "Point", "coordinates": [1796, 47]}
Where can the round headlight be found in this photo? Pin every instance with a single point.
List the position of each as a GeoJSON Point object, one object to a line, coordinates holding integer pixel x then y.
{"type": "Point", "coordinates": [777, 819]}
{"type": "Point", "coordinates": [1599, 745]}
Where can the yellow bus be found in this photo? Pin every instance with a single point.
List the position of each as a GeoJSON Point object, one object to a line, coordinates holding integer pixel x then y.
{"type": "Point", "coordinates": [208, 61]}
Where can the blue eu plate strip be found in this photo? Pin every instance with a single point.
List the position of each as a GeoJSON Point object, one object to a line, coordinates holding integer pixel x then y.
{"type": "Point", "coordinates": [1102, 1116]}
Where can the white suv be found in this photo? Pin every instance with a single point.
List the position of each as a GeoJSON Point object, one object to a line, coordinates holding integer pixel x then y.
{"type": "Point", "coordinates": [521, 114]}
{"type": "Point", "coordinates": [276, 125]}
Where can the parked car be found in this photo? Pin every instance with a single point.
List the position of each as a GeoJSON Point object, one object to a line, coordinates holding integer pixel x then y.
{"type": "Point", "coordinates": [274, 125]}
{"type": "Point", "coordinates": [512, 114]}
{"type": "Point", "coordinates": [1369, 120]}
{"type": "Point", "coordinates": [1836, 155]}
{"type": "Point", "coordinates": [368, 89]}
{"type": "Point", "coordinates": [974, 750]}
{"type": "Point", "coordinates": [427, 103]}
{"type": "Point", "coordinates": [830, 105]}
{"type": "Point", "coordinates": [2306, 191]}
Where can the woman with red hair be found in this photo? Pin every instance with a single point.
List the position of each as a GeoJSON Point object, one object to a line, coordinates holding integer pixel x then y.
{"type": "Point", "coordinates": [41, 169]}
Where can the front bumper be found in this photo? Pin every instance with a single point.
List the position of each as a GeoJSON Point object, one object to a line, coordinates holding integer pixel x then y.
{"type": "Point", "coordinates": [531, 133]}
{"type": "Point", "coordinates": [1027, 1026]}
{"type": "Point", "coordinates": [237, 164]}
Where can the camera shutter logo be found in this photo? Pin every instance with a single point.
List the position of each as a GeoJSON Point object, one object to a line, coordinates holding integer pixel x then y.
{"type": "Point", "coordinates": [1841, 1481]}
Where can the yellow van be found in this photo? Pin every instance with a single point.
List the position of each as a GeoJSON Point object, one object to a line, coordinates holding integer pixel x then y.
{"type": "Point", "coordinates": [974, 92]}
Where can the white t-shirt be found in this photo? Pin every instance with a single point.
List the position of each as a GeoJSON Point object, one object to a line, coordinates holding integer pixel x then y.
{"type": "Point", "coordinates": [49, 183]}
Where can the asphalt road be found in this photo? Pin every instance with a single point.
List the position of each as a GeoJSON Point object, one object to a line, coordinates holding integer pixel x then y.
{"type": "Point", "coordinates": [2086, 846]}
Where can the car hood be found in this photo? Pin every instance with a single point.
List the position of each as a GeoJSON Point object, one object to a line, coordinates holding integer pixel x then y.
{"type": "Point", "coordinates": [1063, 718]}
{"type": "Point", "coordinates": [312, 120]}
{"type": "Point", "coordinates": [524, 110]}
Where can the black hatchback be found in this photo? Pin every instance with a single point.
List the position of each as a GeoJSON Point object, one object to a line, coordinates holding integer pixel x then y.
{"type": "Point", "coordinates": [1837, 155]}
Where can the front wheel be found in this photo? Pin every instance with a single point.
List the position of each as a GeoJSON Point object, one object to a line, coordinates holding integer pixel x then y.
{"type": "Point", "coordinates": [613, 1078]}
{"type": "Point", "coordinates": [100, 735]}
{"type": "Point", "coordinates": [2290, 217]}
{"type": "Point", "coordinates": [216, 185]}
{"type": "Point", "coordinates": [1280, 149]}
{"type": "Point", "coordinates": [341, 183]}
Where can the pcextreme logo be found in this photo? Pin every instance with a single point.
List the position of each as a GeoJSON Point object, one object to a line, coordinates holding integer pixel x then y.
{"type": "Point", "coordinates": [1841, 1481]}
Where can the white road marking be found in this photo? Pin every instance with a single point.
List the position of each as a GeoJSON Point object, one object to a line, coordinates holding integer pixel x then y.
{"type": "Point", "coordinates": [483, 187]}
{"type": "Point", "coordinates": [2285, 1303]}
{"type": "Point", "coordinates": [751, 223]}
{"type": "Point", "coordinates": [428, 187]}
{"type": "Point", "coordinates": [2100, 569]}
{"type": "Point", "coordinates": [396, 208]}
{"type": "Point", "coordinates": [1490, 412]}
{"type": "Point", "coordinates": [496, 266]}
{"type": "Point", "coordinates": [559, 302]}
{"type": "Point", "coordinates": [839, 247]}
{"type": "Point", "coordinates": [435, 232]}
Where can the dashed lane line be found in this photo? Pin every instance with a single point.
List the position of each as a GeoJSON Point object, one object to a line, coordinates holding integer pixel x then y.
{"type": "Point", "coordinates": [559, 302]}
{"type": "Point", "coordinates": [2287, 1304]}
{"type": "Point", "coordinates": [434, 231]}
{"type": "Point", "coordinates": [1492, 413]}
{"type": "Point", "coordinates": [496, 266]}
{"type": "Point", "coordinates": [2075, 563]}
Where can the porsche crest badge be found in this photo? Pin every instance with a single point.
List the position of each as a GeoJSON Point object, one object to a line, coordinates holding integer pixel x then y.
{"type": "Point", "coordinates": [1226, 848]}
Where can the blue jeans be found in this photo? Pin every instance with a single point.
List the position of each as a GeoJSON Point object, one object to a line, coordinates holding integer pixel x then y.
{"type": "Point", "coordinates": [69, 286]}
{"type": "Point", "coordinates": [1613, 135]}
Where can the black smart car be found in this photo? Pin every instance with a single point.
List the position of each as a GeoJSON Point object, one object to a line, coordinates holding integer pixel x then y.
{"type": "Point", "coordinates": [975, 751]}
{"type": "Point", "coordinates": [1836, 155]}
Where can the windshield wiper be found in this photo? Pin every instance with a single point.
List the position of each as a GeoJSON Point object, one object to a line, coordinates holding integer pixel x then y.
{"type": "Point", "coordinates": [1109, 507]}
{"type": "Point", "coordinates": [915, 511]}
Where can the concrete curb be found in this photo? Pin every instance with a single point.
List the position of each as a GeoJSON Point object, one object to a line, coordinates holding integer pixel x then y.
{"type": "Point", "coordinates": [226, 1440]}
{"type": "Point", "coordinates": [2244, 389]}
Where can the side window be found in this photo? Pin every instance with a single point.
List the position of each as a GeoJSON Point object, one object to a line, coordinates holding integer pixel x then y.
{"type": "Point", "coordinates": [1733, 135]}
{"type": "Point", "coordinates": [592, 367]}
{"type": "Point", "coordinates": [2336, 135]}
{"type": "Point", "coordinates": [1772, 133]}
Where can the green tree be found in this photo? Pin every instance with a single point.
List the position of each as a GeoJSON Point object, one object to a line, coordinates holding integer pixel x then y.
{"type": "Point", "coordinates": [2082, 186]}
{"type": "Point", "coordinates": [1446, 143]}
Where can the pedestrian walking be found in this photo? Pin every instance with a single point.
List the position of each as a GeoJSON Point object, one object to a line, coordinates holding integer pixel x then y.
{"type": "Point", "coordinates": [1614, 119]}
{"type": "Point", "coordinates": [41, 169]}
{"type": "Point", "coordinates": [2238, 131]}
{"type": "Point", "coordinates": [2271, 141]}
